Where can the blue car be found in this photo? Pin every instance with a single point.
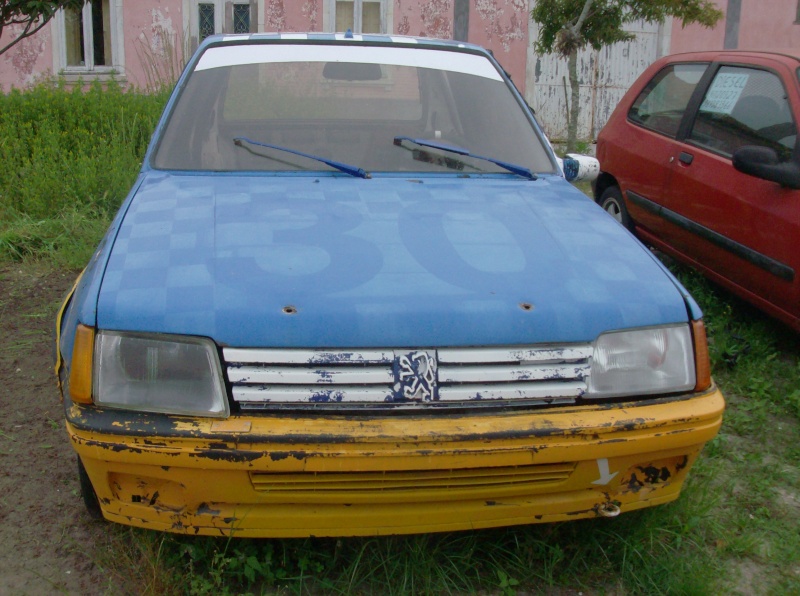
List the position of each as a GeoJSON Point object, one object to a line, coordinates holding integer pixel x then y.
{"type": "Point", "coordinates": [352, 293]}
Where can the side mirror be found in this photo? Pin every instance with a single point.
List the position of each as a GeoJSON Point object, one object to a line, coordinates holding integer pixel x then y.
{"type": "Point", "coordinates": [763, 162]}
{"type": "Point", "coordinates": [580, 167]}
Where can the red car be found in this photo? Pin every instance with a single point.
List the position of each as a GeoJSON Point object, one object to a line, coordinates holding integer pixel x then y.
{"type": "Point", "coordinates": [700, 160]}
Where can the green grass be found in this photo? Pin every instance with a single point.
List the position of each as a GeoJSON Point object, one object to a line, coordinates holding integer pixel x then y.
{"type": "Point", "coordinates": [70, 157]}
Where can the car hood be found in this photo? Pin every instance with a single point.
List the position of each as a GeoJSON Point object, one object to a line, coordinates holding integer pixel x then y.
{"type": "Point", "coordinates": [330, 261]}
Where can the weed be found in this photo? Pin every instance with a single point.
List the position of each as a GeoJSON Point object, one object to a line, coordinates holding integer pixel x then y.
{"type": "Point", "coordinates": [162, 58]}
{"type": "Point", "coordinates": [70, 157]}
{"type": "Point", "coordinates": [583, 147]}
{"type": "Point", "coordinates": [508, 585]}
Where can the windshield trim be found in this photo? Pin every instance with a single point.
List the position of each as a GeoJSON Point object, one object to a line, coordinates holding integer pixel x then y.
{"type": "Point", "coordinates": [240, 55]}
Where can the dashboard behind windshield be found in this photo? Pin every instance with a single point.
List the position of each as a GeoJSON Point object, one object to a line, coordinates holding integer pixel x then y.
{"type": "Point", "coordinates": [345, 106]}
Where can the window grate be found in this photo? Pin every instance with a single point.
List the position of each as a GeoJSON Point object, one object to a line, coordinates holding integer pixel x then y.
{"type": "Point", "coordinates": [205, 14]}
{"type": "Point", "coordinates": [241, 18]}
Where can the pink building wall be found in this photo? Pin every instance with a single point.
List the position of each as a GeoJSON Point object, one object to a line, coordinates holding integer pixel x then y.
{"type": "Point", "coordinates": [499, 25]}
{"type": "Point", "coordinates": [425, 18]}
{"type": "Point", "coordinates": [694, 38]}
{"type": "Point", "coordinates": [154, 40]}
{"type": "Point", "coordinates": [502, 26]}
{"type": "Point", "coordinates": [291, 15]}
{"type": "Point", "coordinates": [25, 62]}
{"type": "Point", "coordinates": [763, 25]}
{"type": "Point", "coordinates": [155, 36]}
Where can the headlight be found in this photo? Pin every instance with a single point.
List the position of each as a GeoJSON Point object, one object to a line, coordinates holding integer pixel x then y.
{"type": "Point", "coordinates": [642, 362]}
{"type": "Point", "coordinates": [168, 374]}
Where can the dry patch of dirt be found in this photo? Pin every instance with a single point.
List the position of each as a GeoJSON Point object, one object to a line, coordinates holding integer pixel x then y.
{"type": "Point", "coordinates": [47, 541]}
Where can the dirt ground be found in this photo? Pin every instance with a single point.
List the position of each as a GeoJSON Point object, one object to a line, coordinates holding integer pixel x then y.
{"type": "Point", "coordinates": [47, 541]}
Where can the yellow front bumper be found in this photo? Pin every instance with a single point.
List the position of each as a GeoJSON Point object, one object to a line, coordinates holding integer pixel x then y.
{"type": "Point", "coordinates": [325, 475]}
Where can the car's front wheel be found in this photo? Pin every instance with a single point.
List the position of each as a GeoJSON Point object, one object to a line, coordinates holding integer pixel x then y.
{"type": "Point", "coordinates": [612, 202]}
{"type": "Point", "coordinates": [88, 494]}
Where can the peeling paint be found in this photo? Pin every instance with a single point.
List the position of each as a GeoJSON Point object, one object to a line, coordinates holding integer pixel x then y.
{"type": "Point", "coordinates": [162, 32]}
{"type": "Point", "coordinates": [310, 10]}
{"type": "Point", "coordinates": [404, 26]}
{"type": "Point", "coordinates": [331, 396]}
{"type": "Point", "coordinates": [204, 509]}
{"type": "Point", "coordinates": [324, 376]}
{"type": "Point", "coordinates": [281, 455]}
{"type": "Point", "coordinates": [437, 20]}
{"type": "Point", "coordinates": [275, 17]}
{"type": "Point", "coordinates": [512, 29]}
{"type": "Point", "coordinates": [25, 55]}
{"type": "Point", "coordinates": [653, 474]}
{"type": "Point", "coordinates": [228, 455]}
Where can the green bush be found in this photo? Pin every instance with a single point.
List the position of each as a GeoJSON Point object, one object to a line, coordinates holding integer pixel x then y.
{"type": "Point", "coordinates": [69, 156]}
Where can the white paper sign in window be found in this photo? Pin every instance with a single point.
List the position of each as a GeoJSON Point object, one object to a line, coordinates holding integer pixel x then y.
{"type": "Point", "coordinates": [724, 92]}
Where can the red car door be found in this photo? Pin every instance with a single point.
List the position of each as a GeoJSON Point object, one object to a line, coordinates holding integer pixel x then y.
{"type": "Point", "coordinates": [640, 155]}
{"type": "Point", "coordinates": [742, 231]}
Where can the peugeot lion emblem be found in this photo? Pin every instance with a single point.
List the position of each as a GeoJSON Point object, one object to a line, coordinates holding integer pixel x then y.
{"type": "Point", "coordinates": [416, 377]}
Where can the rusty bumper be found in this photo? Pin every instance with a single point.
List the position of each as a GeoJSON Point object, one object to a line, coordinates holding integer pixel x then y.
{"type": "Point", "coordinates": [324, 475]}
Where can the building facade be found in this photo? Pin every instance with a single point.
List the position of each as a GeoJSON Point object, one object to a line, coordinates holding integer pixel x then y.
{"type": "Point", "coordinates": [143, 42]}
{"type": "Point", "coordinates": [747, 25]}
{"type": "Point", "coordinates": [130, 39]}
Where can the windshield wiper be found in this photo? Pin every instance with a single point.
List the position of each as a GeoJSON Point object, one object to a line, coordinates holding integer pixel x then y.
{"type": "Point", "coordinates": [342, 167]}
{"type": "Point", "coordinates": [513, 168]}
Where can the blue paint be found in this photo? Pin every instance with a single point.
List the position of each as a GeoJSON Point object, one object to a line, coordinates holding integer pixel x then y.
{"type": "Point", "coordinates": [571, 168]}
{"type": "Point", "coordinates": [385, 262]}
{"type": "Point", "coordinates": [324, 376]}
{"type": "Point", "coordinates": [323, 397]}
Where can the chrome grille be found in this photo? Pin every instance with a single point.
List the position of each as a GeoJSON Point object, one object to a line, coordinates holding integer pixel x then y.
{"type": "Point", "coordinates": [542, 375]}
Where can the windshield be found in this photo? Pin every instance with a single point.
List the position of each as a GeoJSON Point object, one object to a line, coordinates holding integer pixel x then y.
{"type": "Point", "coordinates": [345, 104]}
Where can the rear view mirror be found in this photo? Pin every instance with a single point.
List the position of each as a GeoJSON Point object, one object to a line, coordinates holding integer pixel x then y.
{"type": "Point", "coordinates": [352, 71]}
{"type": "Point", "coordinates": [763, 162]}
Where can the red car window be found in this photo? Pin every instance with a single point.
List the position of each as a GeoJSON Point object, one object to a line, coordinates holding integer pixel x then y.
{"type": "Point", "coordinates": [745, 106]}
{"type": "Point", "coordinates": [660, 106]}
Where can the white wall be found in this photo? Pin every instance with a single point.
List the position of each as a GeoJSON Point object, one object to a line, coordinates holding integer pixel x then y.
{"type": "Point", "coordinates": [604, 75]}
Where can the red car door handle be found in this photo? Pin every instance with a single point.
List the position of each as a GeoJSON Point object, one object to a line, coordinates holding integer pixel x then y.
{"type": "Point", "coordinates": [686, 158]}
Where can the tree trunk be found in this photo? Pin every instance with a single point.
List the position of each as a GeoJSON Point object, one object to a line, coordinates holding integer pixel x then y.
{"type": "Point", "coordinates": [575, 106]}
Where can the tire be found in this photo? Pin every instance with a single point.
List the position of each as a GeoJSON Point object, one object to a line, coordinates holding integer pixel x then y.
{"type": "Point", "coordinates": [90, 500]}
{"type": "Point", "coordinates": [612, 203]}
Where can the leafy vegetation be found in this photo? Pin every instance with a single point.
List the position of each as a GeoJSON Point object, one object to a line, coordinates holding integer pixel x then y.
{"type": "Point", "coordinates": [70, 157]}
{"type": "Point", "coordinates": [566, 26]}
{"type": "Point", "coordinates": [22, 18]}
